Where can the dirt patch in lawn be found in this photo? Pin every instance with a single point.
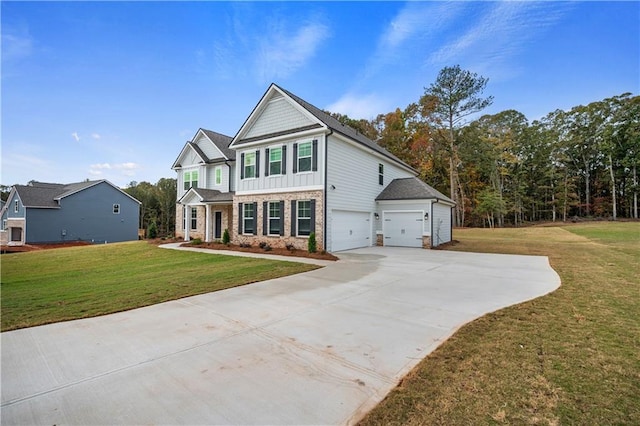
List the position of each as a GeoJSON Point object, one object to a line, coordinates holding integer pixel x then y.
{"type": "Point", "coordinates": [34, 247]}
{"type": "Point", "coordinates": [257, 249]}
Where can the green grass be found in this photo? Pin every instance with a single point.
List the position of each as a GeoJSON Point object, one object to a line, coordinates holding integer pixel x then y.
{"type": "Point", "coordinates": [78, 282]}
{"type": "Point", "coordinates": [571, 357]}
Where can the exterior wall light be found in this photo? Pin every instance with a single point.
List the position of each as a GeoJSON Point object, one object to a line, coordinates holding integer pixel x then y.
{"type": "Point", "coordinates": [426, 216]}
{"type": "Point", "coordinates": [377, 216]}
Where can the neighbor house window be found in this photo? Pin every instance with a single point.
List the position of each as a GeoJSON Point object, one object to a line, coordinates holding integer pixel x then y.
{"type": "Point", "coordinates": [190, 179]}
{"type": "Point", "coordinates": [247, 218]}
{"type": "Point", "coordinates": [275, 161]}
{"type": "Point", "coordinates": [16, 206]}
{"type": "Point", "coordinates": [218, 173]}
{"type": "Point", "coordinates": [381, 174]}
{"type": "Point", "coordinates": [274, 218]}
{"type": "Point", "coordinates": [194, 218]}
{"type": "Point", "coordinates": [249, 165]}
{"type": "Point", "coordinates": [4, 225]}
{"type": "Point", "coordinates": [116, 209]}
{"type": "Point", "coordinates": [304, 217]}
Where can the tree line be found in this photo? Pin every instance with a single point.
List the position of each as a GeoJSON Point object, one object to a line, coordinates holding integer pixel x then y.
{"type": "Point", "coordinates": [158, 208]}
{"type": "Point", "coordinates": [502, 169]}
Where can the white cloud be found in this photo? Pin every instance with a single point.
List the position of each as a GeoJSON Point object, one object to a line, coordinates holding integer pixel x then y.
{"type": "Point", "coordinates": [358, 106]}
{"type": "Point", "coordinates": [16, 43]}
{"type": "Point", "coordinates": [119, 169]}
{"type": "Point", "coordinates": [95, 136]}
{"type": "Point", "coordinates": [76, 136]}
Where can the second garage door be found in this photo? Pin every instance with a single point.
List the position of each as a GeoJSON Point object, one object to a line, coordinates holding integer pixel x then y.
{"type": "Point", "coordinates": [403, 229]}
{"type": "Point", "coordinates": [350, 230]}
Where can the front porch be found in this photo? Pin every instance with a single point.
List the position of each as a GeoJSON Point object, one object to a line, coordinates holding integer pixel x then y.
{"type": "Point", "coordinates": [204, 214]}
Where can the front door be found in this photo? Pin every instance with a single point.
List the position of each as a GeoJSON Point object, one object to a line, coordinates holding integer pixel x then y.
{"type": "Point", "coordinates": [218, 225]}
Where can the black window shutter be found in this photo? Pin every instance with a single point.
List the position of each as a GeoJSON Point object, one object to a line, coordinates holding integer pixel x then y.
{"type": "Point", "coordinates": [266, 162]}
{"type": "Point", "coordinates": [295, 158]}
{"type": "Point", "coordinates": [240, 213]}
{"type": "Point", "coordinates": [255, 218]}
{"type": "Point", "coordinates": [281, 218]}
{"type": "Point", "coordinates": [284, 162]}
{"type": "Point", "coordinates": [314, 158]}
{"type": "Point", "coordinates": [242, 166]}
{"type": "Point", "coordinates": [313, 216]}
{"type": "Point", "coordinates": [293, 217]}
{"type": "Point", "coordinates": [258, 163]}
{"type": "Point", "coordinates": [265, 213]}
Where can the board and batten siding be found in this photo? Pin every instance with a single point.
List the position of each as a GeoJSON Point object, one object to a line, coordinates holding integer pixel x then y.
{"type": "Point", "coordinates": [211, 177]}
{"type": "Point", "coordinates": [441, 221]}
{"type": "Point", "coordinates": [302, 181]}
{"type": "Point", "coordinates": [353, 172]}
{"type": "Point", "coordinates": [279, 115]}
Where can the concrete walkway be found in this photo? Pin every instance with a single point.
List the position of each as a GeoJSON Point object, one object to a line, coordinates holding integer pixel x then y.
{"type": "Point", "coordinates": [322, 347]}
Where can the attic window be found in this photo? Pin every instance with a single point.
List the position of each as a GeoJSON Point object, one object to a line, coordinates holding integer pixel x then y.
{"type": "Point", "coordinates": [116, 209]}
{"type": "Point", "coordinates": [16, 206]}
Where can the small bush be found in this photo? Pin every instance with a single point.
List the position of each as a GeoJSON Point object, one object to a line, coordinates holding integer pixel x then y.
{"type": "Point", "coordinates": [225, 237]}
{"type": "Point", "coordinates": [290, 247]}
{"type": "Point", "coordinates": [267, 247]}
{"type": "Point", "coordinates": [196, 241]}
{"type": "Point", "coordinates": [262, 244]}
{"type": "Point", "coordinates": [245, 245]}
{"type": "Point", "coordinates": [312, 245]}
{"type": "Point", "coordinates": [152, 230]}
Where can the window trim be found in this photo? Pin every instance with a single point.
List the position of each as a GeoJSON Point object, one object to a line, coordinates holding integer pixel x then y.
{"type": "Point", "coordinates": [270, 232]}
{"type": "Point", "coordinates": [187, 179]}
{"type": "Point", "coordinates": [300, 157]}
{"type": "Point", "coordinates": [380, 174]}
{"type": "Point", "coordinates": [271, 162]}
{"type": "Point", "coordinates": [299, 217]}
{"type": "Point", "coordinates": [116, 208]}
{"type": "Point", "coordinates": [246, 218]}
{"type": "Point", "coordinates": [246, 156]}
{"type": "Point", "coordinates": [194, 220]}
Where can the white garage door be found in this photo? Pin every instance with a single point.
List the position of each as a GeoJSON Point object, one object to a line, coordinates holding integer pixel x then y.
{"type": "Point", "coordinates": [403, 229]}
{"type": "Point", "coordinates": [350, 230]}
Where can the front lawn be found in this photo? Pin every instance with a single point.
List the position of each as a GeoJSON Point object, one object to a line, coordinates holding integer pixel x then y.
{"type": "Point", "coordinates": [571, 357]}
{"type": "Point", "coordinates": [48, 286]}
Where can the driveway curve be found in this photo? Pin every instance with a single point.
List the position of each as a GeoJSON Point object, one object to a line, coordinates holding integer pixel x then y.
{"type": "Point", "coordinates": [322, 347]}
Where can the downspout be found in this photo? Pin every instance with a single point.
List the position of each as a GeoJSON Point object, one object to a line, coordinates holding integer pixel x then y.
{"type": "Point", "coordinates": [324, 198]}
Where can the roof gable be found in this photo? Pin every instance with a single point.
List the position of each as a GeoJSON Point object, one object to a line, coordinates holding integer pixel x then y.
{"type": "Point", "coordinates": [275, 114]}
{"type": "Point", "coordinates": [206, 147]}
{"type": "Point", "coordinates": [411, 189]}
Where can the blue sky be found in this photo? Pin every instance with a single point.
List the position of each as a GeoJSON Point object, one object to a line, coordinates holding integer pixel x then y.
{"type": "Point", "coordinates": [113, 90]}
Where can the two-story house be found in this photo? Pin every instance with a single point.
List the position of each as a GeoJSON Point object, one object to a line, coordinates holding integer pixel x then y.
{"type": "Point", "coordinates": [298, 171]}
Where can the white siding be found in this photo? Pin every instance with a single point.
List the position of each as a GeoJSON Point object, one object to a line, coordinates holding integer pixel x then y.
{"type": "Point", "coordinates": [211, 177]}
{"type": "Point", "coordinates": [287, 182]}
{"type": "Point", "coordinates": [353, 171]}
{"type": "Point", "coordinates": [279, 115]}
{"type": "Point", "coordinates": [201, 177]}
{"type": "Point", "coordinates": [210, 150]}
{"type": "Point", "coordinates": [441, 224]}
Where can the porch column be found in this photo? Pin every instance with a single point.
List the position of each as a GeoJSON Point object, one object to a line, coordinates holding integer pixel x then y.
{"type": "Point", "coordinates": [207, 222]}
{"type": "Point", "coordinates": [186, 221]}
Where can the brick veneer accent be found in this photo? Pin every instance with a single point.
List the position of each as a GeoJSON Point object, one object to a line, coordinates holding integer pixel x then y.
{"type": "Point", "coordinates": [426, 242]}
{"type": "Point", "coordinates": [200, 230]}
{"type": "Point", "coordinates": [279, 241]}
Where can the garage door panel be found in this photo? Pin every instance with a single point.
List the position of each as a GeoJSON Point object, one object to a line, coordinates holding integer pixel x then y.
{"type": "Point", "coordinates": [403, 229]}
{"type": "Point", "coordinates": [350, 229]}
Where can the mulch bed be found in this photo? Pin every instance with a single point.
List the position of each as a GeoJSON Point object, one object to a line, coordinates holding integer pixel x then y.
{"type": "Point", "coordinates": [256, 249]}
{"type": "Point", "coordinates": [34, 247]}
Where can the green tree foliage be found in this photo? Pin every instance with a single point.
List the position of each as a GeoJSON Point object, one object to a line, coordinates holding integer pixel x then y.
{"type": "Point", "coordinates": [226, 239]}
{"type": "Point", "coordinates": [312, 245]}
{"type": "Point", "coordinates": [158, 204]}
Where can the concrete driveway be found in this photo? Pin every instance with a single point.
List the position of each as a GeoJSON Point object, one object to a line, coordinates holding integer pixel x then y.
{"type": "Point", "coordinates": [316, 348]}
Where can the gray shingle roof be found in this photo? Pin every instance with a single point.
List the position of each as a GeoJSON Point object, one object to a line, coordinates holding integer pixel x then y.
{"type": "Point", "coordinates": [213, 195]}
{"type": "Point", "coordinates": [411, 189]}
{"type": "Point", "coordinates": [47, 195]}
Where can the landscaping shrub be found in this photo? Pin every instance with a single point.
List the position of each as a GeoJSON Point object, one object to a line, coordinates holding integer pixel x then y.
{"type": "Point", "coordinates": [152, 230]}
{"type": "Point", "coordinates": [225, 237]}
{"type": "Point", "coordinates": [312, 245]}
{"type": "Point", "coordinates": [196, 241]}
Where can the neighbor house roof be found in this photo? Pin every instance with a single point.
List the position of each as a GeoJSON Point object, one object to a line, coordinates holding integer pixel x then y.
{"type": "Point", "coordinates": [411, 189]}
{"type": "Point", "coordinates": [48, 195]}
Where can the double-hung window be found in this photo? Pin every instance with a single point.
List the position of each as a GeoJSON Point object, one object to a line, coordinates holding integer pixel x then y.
{"type": "Point", "coordinates": [247, 218]}
{"type": "Point", "coordinates": [194, 218]}
{"type": "Point", "coordinates": [304, 217]}
{"type": "Point", "coordinates": [305, 154]}
{"type": "Point", "coordinates": [249, 165]}
{"type": "Point", "coordinates": [190, 179]}
{"type": "Point", "coordinates": [274, 218]}
{"type": "Point", "coordinates": [275, 161]}
{"type": "Point", "coordinates": [381, 174]}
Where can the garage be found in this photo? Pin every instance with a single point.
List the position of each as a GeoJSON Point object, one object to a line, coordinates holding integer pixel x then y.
{"type": "Point", "coordinates": [350, 229]}
{"type": "Point", "coordinates": [403, 229]}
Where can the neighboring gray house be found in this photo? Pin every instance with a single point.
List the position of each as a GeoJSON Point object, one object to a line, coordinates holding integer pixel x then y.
{"type": "Point", "coordinates": [294, 170]}
{"type": "Point", "coordinates": [94, 211]}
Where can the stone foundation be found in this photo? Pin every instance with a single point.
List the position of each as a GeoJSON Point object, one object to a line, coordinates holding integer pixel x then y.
{"type": "Point", "coordinates": [426, 242]}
